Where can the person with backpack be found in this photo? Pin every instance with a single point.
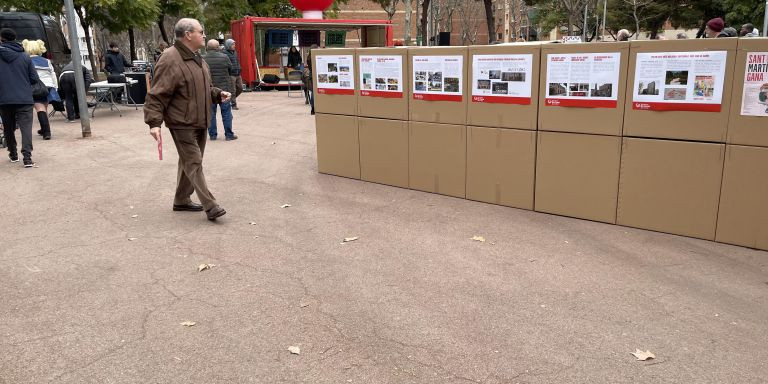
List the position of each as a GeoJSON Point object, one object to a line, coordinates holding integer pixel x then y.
{"type": "Point", "coordinates": [44, 68]}
{"type": "Point", "coordinates": [16, 102]}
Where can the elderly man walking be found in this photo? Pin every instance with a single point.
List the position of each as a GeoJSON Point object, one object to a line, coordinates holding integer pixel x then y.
{"type": "Point", "coordinates": [221, 76]}
{"type": "Point", "coordinates": [182, 95]}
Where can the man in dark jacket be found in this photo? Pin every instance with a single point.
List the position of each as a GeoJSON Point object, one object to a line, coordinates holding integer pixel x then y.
{"type": "Point", "coordinates": [220, 69]}
{"type": "Point", "coordinates": [237, 81]}
{"type": "Point", "coordinates": [115, 61]}
{"type": "Point", "coordinates": [181, 96]}
{"type": "Point", "coordinates": [68, 89]}
{"type": "Point", "coordinates": [16, 103]}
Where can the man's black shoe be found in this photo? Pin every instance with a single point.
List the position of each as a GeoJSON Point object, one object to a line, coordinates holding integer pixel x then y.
{"type": "Point", "coordinates": [189, 207]}
{"type": "Point", "coordinates": [215, 212]}
{"type": "Point", "coordinates": [14, 157]}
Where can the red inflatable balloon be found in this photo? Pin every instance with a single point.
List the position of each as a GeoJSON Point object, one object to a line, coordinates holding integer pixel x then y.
{"type": "Point", "coordinates": [311, 5]}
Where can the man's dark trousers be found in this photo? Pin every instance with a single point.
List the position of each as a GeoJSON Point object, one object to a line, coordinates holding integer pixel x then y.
{"type": "Point", "coordinates": [69, 91]}
{"type": "Point", "coordinates": [21, 116]}
{"type": "Point", "coordinates": [190, 143]}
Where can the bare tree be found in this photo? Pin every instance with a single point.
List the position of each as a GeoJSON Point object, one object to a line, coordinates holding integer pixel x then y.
{"type": "Point", "coordinates": [469, 12]}
{"type": "Point", "coordinates": [407, 23]}
{"type": "Point", "coordinates": [389, 6]}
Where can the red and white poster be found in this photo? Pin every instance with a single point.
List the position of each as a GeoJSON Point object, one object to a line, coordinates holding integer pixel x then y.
{"type": "Point", "coordinates": [754, 101]}
{"type": "Point", "coordinates": [334, 75]}
{"type": "Point", "coordinates": [586, 80]}
{"type": "Point", "coordinates": [438, 78]}
{"type": "Point", "coordinates": [679, 81]}
{"type": "Point", "coordinates": [381, 76]}
{"type": "Point", "coordinates": [503, 79]}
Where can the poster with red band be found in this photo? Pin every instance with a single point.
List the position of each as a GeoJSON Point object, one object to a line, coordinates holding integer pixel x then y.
{"type": "Point", "coordinates": [502, 79]}
{"type": "Point", "coordinates": [679, 81]}
{"type": "Point", "coordinates": [438, 78]}
{"type": "Point", "coordinates": [381, 76]}
{"type": "Point", "coordinates": [334, 75]}
{"type": "Point", "coordinates": [583, 80]}
{"type": "Point", "coordinates": [754, 101]}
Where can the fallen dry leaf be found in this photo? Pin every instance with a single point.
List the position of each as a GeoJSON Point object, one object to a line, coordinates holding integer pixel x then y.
{"type": "Point", "coordinates": [252, 223]}
{"type": "Point", "coordinates": [478, 238]}
{"type": "Point", "coordinates": [203, 267]}
{"type": "Point", "coordinates": [303, 304]}
{"type": "Point", "coordinates": [134, 216]}
{"type": "Point", "coordinates": [131, 238]}
{"type": "Point", "coordinates": [348, 239]}
{"type": "Point", "coordinates": [285, 206]}
{"type": "Point", "coordinates": [294, 350]}
{"type": "Point", "coordinates": [188, 323]}
{"type": "Point", "coordinates": [643, 356]}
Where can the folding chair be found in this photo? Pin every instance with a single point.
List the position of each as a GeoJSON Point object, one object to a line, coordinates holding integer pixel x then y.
{"type": "Point", "coordinates": [295, 78]}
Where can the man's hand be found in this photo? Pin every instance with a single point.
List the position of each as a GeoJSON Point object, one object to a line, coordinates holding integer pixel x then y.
{"type": "Point", "coordinates": [225, 96]}
{"type": "Point", "coordinates": [155, 132]}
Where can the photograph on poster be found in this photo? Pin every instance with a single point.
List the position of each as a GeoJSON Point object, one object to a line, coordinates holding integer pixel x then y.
{"type": "Point", "coordinates": [558, 89]}
{"type": "Point", "coordinates": [435, 76]}
{"type": "Point", "coordinates": [322, 78]}
{"type": "Point", "coordinates": [494, 74]}
{"type": "Point", "coordinates": [421, 76]}
{"type": "Point", "coordinates": [391, 81]}
{"type": "Point", "coordinates": [451, 84]}
{"type": "Point", "coordinates": [578, 89]}
{"type": "Point", "coordinates": [333, 67]}
{"type": "Point", "coordinates": [381, 87]}
{"type": "Point", "coordinates": [333, 79]}
{"type": "Point", "coordinates": [675, 93]}
{"type": "Point", "coordinates": [421, 86]}
{"type": "Point", "coordinates": [344, 69]}
{"type": "Point", "coordinates": [676, 78]}
{"type": "Point", "coordinates": [345, 84]}
{"type": "Point", "coordinates": [483, 84]}
{"type": "Point", "coordinates": [367, 83]}
{"type": "Point", "coordinates": [602, 90]}
{"type": "Point", "coordinates": [392, 87]}
{"type": "Point", "coordinates": [500, 88]}
{"type": "Point", "coordinates": [381, 80]}
{"type": "Point", "coordinates": [513, 76]}
{"type": "Point", "coordinates": [648, 88]}
{"type": "Point", "coordinates": [703, 87]}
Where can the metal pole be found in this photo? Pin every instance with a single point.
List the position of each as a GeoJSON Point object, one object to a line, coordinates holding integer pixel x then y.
{"type": "Point", "coordinates": [605, 10]}
{"type": "Point", "coordinates": [765, 20]}
{"type": "Point", "coordinates": [74, 41]}
{"type": "Point", "coordinates": [584, 30]}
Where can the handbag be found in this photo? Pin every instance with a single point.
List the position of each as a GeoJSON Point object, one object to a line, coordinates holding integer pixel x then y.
{"type": "Point", "coordinates": [39, 90]}
{"type": "Point", "coordinates": [53, 95]}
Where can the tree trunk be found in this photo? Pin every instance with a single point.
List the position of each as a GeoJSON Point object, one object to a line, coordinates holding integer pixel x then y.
{"type": "Point", "coordinates": [571, 23]}
{"type": "Point", "coordinates": [490, 21]}
{"type": "Point", "coordinates": [161, 26]}
{"type": "Point", "coordinates": [407, 22]}
{"type": "Point", "coordinates": [132, 44]}
{"type": "Point", "coordinates": [86, 24]}
{"type": "Point", "coordinates": [424, 16]}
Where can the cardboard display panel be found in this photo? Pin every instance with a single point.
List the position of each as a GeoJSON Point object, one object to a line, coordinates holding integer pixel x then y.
{"type": "Point", "coordinates": [585, 91]}
{"type": "Point", "coordinates": [577, 175]}
{"type": "Point", "coordinates": [671, 186]}
{"type": "Point", "coordinates": [384, 151]}
{"type": "Point", "coordinates": [438, 92]}
{"type": "Point", "coordinates": [338, 148]}
{"type": "Point", "coordinates": [334, 73]}
{"type": "Point", "coordinates": [680, 89]}
{"type": "Point", "coordinates": [501, 166]}
{"type": "Point", "coordinates": [749, 115]}
{"type": "Point", "coordinates": [437, 158]}
{"type": "Point", "coordinates": [503, 85]}
{"type": "Point", "coordinates": [382, 82]}
{"type": "Point", "coordinates": [743, 215]}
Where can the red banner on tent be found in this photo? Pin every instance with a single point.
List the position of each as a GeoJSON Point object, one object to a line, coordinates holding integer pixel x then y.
{"type": "Point", "coordinates": [581, 103]}
{"type": "Point", "coordinates": [436, 97]}
{"type": "Point", "coordinates": [691, 107]}
{"type": "Point", "coordinates": [502, 100]}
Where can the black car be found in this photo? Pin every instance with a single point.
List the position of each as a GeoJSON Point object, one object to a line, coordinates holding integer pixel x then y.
{"type": "Point", "coordinates": [34, 26]}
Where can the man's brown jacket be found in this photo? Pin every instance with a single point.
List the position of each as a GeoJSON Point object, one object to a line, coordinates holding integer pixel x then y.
{"type": "Point", "coordinates": [181, 93]}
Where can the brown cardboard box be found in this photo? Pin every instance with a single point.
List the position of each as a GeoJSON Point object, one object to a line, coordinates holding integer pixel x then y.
{"type": "Point", "coordinates": [437, 158]}
{"type": "Point", "coordinates": [683, 125]}
{"type": "Point", "coordinates": [505, 112]}
{"type": "Point", "coordinates": [445, 112]}
{"type": "Point", "coordinates": [384, 151]}
{"type": "Point", "coordinates": [501, 164]}
{"type": "Point", "coordinates": [385, 105]}
{"type": "Point", "coordinates": [670, 186]}
{"type": "Point", "coordinates": [338, 148]}
{"type": "Point", "coordinates": [577, 175]}
{"type": "Point", "coordinates": [743, 216]}
{"type": "Point", "coordinates": [339, 102]}
{"type": "Point", "coordinates": [599, 121]}
{"type": "Point", "coordinates": [746, 130]}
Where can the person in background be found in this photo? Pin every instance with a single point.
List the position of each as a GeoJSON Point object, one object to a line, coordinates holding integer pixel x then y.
{"type": "Point", "coordinates": [237, 81]}
{"type": "Point", "coordinates": [159, 50]}
{"type": "Point", "coordinates": [69, 89]}
{"type": "Point", "coordinates": [308, 80]}
{"type": "Point", "coordinates": [115, 61]}
{"type": "Point", "coordinates": [622, 35]}
{"type": "Point", "coordinates": [682, 36]}
{"type": "Point", "coordinates": [731, 32]}
{"type": "Point", "coordinates": [181, 96]}
{"type": "Point", "coordinates": [294, 58]}
{"type": "Point", "coordinates": [714, 28]}
{"type": "Point", "coordinates": [749, 30]}
{"type": "Point", "coordinates": [44, 69]}
{"type": "Point", "coordinates": [220, 69]}
{"type": "Point", "coordinates": [16, 103]}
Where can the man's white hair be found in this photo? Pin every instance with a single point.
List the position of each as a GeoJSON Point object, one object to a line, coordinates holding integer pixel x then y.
{"type": "Point", "coordinates": [183, 26]}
